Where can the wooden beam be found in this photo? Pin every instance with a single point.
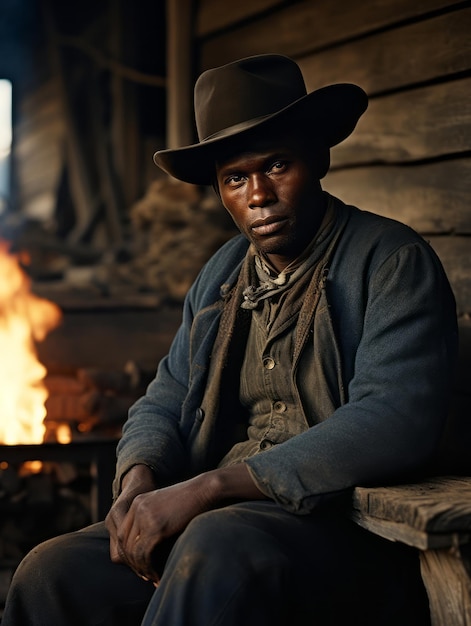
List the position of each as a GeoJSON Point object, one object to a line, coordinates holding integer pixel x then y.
{"type": "Point", "coordinates": [180, 127]}
{"type": "Point", "coordinates": [85, 198]}
{"type": "Point", "coordinates": [124, 138]}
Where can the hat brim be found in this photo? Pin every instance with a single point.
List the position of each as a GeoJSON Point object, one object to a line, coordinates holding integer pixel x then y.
{"type": "Point", "coordinates": [328, 115]}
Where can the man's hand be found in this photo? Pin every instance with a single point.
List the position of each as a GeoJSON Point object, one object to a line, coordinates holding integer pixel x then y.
{"type": "Point", "coordinates": [156, 516]}
{"type": "Point", "coordinates": [139, 479]}
{"type": "Point", "coordinates": [147, 518]}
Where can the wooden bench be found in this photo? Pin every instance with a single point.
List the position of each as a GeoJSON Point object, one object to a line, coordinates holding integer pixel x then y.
{"type": "Point", "coordinates": [433, 516]}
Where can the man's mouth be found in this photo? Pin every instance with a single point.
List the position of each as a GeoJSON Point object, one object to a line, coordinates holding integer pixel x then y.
{"type": "Point", "coordinates": [268, 225]}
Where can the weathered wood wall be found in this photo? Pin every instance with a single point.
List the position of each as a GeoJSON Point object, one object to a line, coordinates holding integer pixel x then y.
{"type": "Point", "coordinates": [39, 143]}
{"type": "Point", "coordinates": [410, 156]}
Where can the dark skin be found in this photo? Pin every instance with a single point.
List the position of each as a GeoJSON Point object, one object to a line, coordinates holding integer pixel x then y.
{"type": "Point", "coordinates": [274, 197]}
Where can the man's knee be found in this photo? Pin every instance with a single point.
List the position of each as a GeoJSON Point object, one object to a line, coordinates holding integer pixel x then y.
{"type": "Point", "coordinates": [45, 561]}
{"type": "Point", "coordinates": [229, 537]}
{"type": "Point", "coordinates": [51, 562]}
{"type": "Point", "coordinates": [216, 530]}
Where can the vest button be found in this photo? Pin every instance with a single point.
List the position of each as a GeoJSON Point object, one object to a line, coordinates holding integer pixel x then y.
{"type": "Point", "coordinates": [268, 363]}
{"type": "Point", "coordinates": [199, 414]}
{"type": "Point", "coordinates": [280, 407]}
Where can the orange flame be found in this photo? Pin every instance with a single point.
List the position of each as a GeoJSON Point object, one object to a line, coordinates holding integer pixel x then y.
{"type": "Point", "coordinates": [24, 319]}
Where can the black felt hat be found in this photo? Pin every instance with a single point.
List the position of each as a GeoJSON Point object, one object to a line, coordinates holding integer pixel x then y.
{"type": "Point", "coordinates": [261, 93]}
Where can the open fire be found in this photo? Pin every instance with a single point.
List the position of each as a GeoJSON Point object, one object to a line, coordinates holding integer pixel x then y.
{"type": "Point", "coordinates": [46, 489]}
{"type": "Point", "coordinates": [24, 319]}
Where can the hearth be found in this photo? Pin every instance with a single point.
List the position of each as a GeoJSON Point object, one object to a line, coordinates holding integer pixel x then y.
{"type": "Point", "coordinates": [49, 489]}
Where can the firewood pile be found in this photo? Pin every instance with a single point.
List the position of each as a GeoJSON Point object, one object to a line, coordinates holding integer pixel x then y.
{"type": "Point", "coordinates": [176, 227]}
{"type": "Point", "coordinates": [93, 401]}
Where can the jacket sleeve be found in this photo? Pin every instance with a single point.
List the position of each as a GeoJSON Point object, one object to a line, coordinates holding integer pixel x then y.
{"type": "Point", "coordinates": [393, 418]}
{"type": "Point", "coordinates": [152, 434]}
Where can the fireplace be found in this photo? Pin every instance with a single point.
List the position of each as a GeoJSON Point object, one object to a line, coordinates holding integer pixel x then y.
{"type": "Point", "coordinates": [89, 369]}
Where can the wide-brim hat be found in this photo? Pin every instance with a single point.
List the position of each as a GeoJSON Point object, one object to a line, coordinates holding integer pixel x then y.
{"type": "Point", "coordinates": [260, 93]}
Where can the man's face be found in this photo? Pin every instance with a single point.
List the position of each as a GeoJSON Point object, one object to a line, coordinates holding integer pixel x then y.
{"type": "Point", "coordinates": [273, 195]}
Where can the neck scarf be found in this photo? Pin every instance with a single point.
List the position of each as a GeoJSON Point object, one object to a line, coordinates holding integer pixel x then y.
{"type": "Point", "coordinates": [270, 282]}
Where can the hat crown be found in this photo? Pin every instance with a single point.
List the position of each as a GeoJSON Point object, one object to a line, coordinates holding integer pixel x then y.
{"type": "Point", "coordinates": [238, 93]}
{"type": "Point", "coordinates": [256, 97]}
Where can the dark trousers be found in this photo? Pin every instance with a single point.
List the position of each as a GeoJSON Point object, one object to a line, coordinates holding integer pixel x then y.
{"type": "Point", "coordinates": [243, 565]}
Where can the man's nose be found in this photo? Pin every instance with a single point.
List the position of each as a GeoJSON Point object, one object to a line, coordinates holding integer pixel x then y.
{"type": "Point", "coordinates": [260, 192]}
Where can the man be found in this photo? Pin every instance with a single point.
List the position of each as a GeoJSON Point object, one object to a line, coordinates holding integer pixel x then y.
{"type": "Point", "coordinates": [314, 355]}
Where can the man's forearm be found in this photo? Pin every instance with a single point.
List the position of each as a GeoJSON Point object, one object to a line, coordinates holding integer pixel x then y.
{"type": "Point", "coordinates": [139, 477]}
{"type": "Point", "coordinates": [230, 483]}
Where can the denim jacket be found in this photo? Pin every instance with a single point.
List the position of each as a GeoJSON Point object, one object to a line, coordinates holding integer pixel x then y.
{"type": "Point", "coordinates": [392, 314]}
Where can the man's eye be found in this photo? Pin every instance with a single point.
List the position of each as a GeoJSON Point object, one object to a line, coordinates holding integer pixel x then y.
{"type": "Point", "coordinates": [234, 179]}
{"type": "Point", "coordinates": [277, 166]}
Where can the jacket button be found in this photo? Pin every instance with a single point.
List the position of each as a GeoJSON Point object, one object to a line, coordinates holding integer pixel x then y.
{"type": "Point", "coordinates": [199, 414]}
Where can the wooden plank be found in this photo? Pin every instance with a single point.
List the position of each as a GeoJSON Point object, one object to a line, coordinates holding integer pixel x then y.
{"type": "Point", "coordinates": [304, 27]}
{"type": "Point", "coordinates": [412, 125]}
{"type": "Point", "coordinates": [215, 15]}
{"type": "Point", "coordinates": [394, 531]}
{"type": "Point", "coordinates": [454, 253]}
{"type": "Point", "coordinates": [441, 505]}
{"type": "Point", "coordinates": [419, 52]}
{"type": "Point", "coordinates": [431, 198]}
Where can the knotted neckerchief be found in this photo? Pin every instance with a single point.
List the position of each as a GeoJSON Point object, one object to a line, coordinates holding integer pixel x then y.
{"type": "Point", "coordinates": [270, 282]}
